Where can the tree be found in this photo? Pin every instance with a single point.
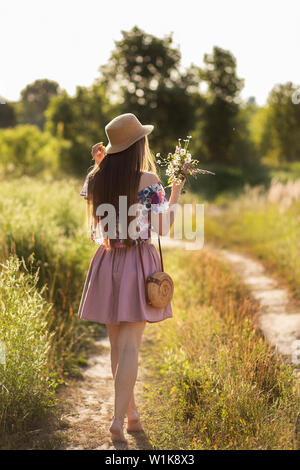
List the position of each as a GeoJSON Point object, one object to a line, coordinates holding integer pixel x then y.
{"type": "Point", "coordinates": [251, 100]}
{"type": "Point", "coordinates": [245, 152]}
{"type": "Point", "coordinates": [25, 150]}
{"type": "Point", "coordinates": [219, 117]}
{"type": "Point", "coordinates": [80, 119]}
{"type": "Point", "coordinates": [7, 115]}
{"type": "Point", "coordinates": [281, 138]}
{"type": "Point", "coordinates": [143, 77]}
{"type": "Point", "coordinates": [35, 99]}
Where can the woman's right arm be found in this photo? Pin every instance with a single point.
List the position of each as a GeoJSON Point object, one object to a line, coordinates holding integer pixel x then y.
{"type": "Point", "coordinates": [162, 222]}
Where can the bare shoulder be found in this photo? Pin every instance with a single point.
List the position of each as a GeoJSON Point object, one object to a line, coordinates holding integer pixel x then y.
{"type": "Point", "coordinates": [147, 178]}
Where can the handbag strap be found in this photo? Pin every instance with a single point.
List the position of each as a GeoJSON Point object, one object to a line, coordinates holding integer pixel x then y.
{"type": "Point", "coordinates": [141, 258]}
{"type": "Point", "coordinates": [142, 263]}
{"type": "Point", "coordinates": [160, 252]}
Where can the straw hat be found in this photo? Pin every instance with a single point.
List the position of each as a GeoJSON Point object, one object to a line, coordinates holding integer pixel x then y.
{"type": "Point", "coordinates": [123, 131]}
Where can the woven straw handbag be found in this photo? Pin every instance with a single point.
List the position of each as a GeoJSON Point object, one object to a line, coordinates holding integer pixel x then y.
{"type": "Point", "coordinates": [159, 286]}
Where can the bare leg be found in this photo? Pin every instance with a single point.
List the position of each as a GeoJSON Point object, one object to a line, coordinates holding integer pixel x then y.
{"type": "Point", "coordinates": [129, 340]}
{"type": "Point", "coordinates": [132, 413]}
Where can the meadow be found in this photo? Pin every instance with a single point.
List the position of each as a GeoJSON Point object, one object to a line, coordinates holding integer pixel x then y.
{"type": "Point", "coordinates": [218, 382]}
{"type": "Point", "coordinates": [213, 383]}
{"type": "Point", "coordinates": [213, 380]}
{"type": "Point", "coordinates": [263, 222]}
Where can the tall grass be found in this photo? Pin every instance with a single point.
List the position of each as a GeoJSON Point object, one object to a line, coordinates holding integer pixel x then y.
{"type": "Point", "coordinates": [26, 383]}
{"type": "Point", "coordinates": [45, 220]}
{"type": "Point", "coordinates": [42, 223]}
{"type": "Point", "coordinates": [213, 382]}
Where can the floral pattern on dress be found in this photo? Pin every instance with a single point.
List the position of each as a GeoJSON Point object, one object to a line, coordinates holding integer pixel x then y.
{"type": "Point", "coordinates": [152, 198]}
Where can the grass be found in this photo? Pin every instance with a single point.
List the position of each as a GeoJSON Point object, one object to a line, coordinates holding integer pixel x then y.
{"type": "Point", "coordinates": [217, 382]}
{"type": "Point", "coordinates": [27, 385]}
{"type": "Point", "coordinates": [42, 223]}
{"type": "Point", "coordinates": [265, 223]}
{"type": "Point", "coordinates": [213, 381]}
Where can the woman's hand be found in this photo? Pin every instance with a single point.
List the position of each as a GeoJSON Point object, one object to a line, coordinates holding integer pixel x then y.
{"type": "Point", "coordinates": [99, 155]}
{"type": "Point", "coordinates": [178, 187]}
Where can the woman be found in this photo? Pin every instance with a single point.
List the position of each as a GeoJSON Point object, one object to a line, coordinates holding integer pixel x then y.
{"type": "Point", "coordinates": [114, 291]}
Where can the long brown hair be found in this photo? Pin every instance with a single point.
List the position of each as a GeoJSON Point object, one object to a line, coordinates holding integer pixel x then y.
{"type": "Point", "coordinates": [118, 174]}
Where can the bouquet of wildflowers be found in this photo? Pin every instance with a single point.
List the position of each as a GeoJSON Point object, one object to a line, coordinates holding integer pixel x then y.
{"type": "Point", "coordinates": [180, 164]}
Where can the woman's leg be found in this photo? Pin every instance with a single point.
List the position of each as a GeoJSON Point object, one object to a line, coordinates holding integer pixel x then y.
{"type": "Point", "coordinates": [113, 333]}
{"type": "Point", "coordinates": [129, 340]}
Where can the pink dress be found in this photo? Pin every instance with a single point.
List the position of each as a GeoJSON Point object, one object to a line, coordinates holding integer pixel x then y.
{"type": "Point", "coordinates": [114, 289]}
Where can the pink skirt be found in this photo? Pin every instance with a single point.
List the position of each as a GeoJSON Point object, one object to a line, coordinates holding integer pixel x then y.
{"type": "Point", "coordinates": [114, 288]}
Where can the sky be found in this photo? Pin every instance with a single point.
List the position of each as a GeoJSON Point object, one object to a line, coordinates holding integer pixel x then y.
{"type": "Point", "coordinates": [67, 40]}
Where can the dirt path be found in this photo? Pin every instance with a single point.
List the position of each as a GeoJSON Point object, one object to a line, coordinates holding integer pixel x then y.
{"type": "Point", "coordinates": [279, 317]}
{"type": "Point", "coordinates": [88, 407]}
{"type": "Point", "coordinates": [88, 404]}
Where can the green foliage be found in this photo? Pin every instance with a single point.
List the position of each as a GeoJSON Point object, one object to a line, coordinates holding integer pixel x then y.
{"type": "Point", "coordinates": [7, 115]}
{"type": "Point", "coordinates": [219, 117]}
{"type": "Point", "coordinates": [143, 77]}
{"type": "Point", "coordinates": [34, 101]}
{"type": "Point", "coordinates": [25, 150]}
{"type": "Point", "coordinates": [220, 74]}
{"type": "Point", "coordinates": [281, 137]}
{"type": "Point", "coordinates": [245, 150]}
{"type": "Point", "coordinates": [229, 179]}
{"type": "Point", "coordinates": [44, 217]}
{"type": "Point", "coordinates": [41, 223]}
{"type": "Point", "coordinates": [80, 120]}
{"type": "Point", "coordinates": [266, 223]}
{"type": "Point", "coordinates": [26, 383]}
{"type": "Point", "coordinates": [257, 121]}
